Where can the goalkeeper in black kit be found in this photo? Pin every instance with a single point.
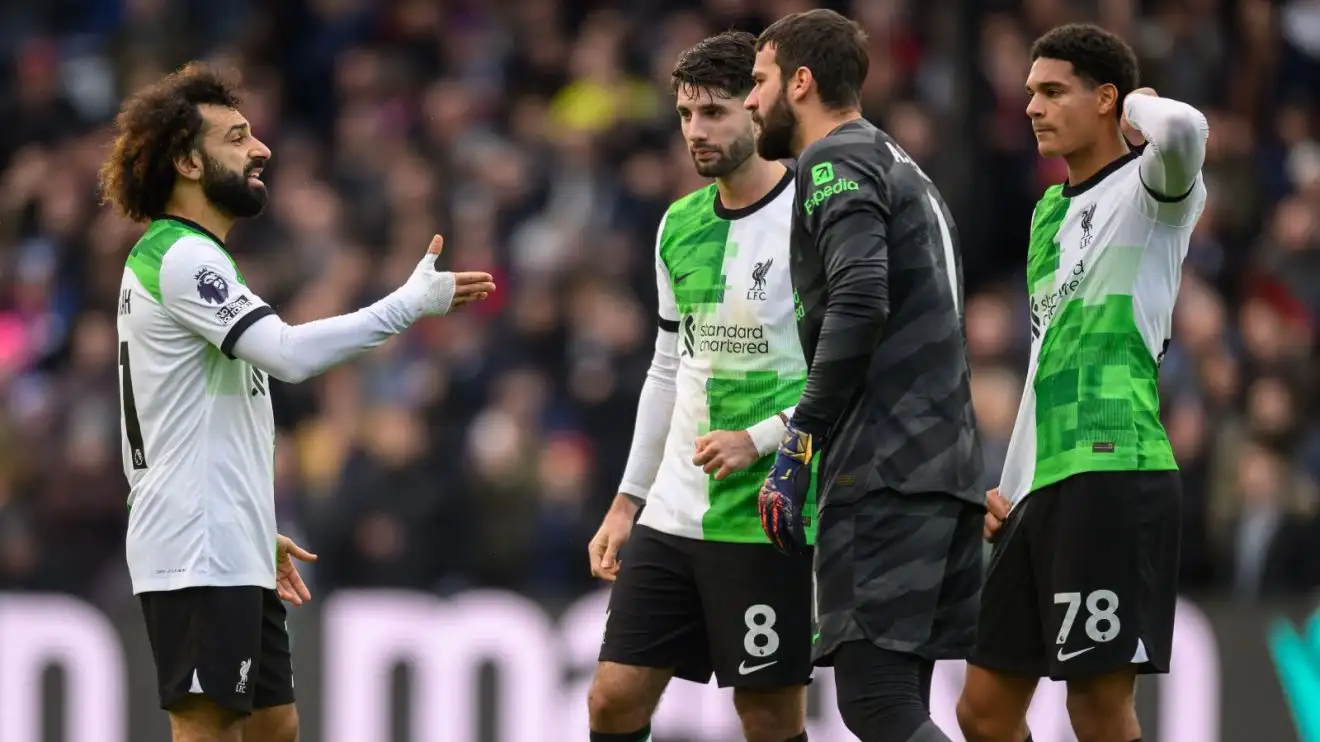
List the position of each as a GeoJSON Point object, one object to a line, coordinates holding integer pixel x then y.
{"type": "Point", "coordinates": [887, 406]}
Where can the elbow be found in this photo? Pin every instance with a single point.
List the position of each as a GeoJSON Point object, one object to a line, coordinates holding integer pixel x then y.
{"type": "Point", "coordinates": [289, 374]}
{"type": "Point", "coordinates": [866, 301]}
{"type": "Point", "coordinates": [871, 311]}
{"type": "Point", "coordinates": [877, 311]}
{"type": "Point", "coordinates": [1183, 132]}
{"type": "Point", "coordinates": [663, 376]}
{"type": "Point", "coordinates": [1189, 133]}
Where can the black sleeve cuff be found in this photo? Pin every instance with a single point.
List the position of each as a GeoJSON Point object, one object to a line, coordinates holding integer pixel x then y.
{"type": "Point", "coordinates": [240, 327]}
{"type": "Point", "coordinates": [669, 325]}
{"type": "Point", "coordinates": [1168, 199]}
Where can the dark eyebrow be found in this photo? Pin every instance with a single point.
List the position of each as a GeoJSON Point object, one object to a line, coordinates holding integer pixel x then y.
{"type": "Point", "coordinates": [1048, 84]}
{"type": "Point", "coordinates": [236, 128]}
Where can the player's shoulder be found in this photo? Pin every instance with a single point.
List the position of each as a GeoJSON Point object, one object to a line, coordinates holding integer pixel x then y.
{"type": "Point", "coordinates": [854, 153]}
{"type": "Point", "coordinates": [176, 240]}
{"type": "Point", "coordinates": [855, 139]}
{"type": "Point", "coordinates": [700, 200]}
{"type": "Point", "coordinates": [196, 260]}
{"type": "Point", "coordinates": [1052, 195]}
{"type": "Point", "coordinates": [685, 219]}
{"type": "Point", "coordinates": [189, 251]}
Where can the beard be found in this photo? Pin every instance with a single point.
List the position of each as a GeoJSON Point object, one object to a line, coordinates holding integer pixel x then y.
{"type": "Point", "coordinates": [779, 127]}
{"type": "Point", "coordinates": [730, 158]}
{"type": "Point", "coordinates": [230, 191]}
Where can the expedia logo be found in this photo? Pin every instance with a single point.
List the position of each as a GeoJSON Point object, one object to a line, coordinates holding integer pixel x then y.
{"type": "Point", "coordinates": [819, 195]}
{"type": "Point", "coordinates": [1043, 308]}
{"type": "Point", "coordinates": [729, 339]}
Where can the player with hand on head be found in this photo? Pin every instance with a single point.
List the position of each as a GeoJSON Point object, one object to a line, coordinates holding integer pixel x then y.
{"type": "Point", "coordinates": [698, 590]}
{"type": "Point", "coordinates": [1086, 519]}
{"type": "Point", "coordinates": [887, 405]}
{"type": "Point", "coordinates": [196, 350]}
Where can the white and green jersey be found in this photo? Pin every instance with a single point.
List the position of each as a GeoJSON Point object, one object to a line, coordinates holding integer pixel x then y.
{"type": "Point", "coordinates": [1103, 270]}
{"type": "Point", "coordinates": [198, 430]}
{"type": "Point", "coordinates": [726, 308]}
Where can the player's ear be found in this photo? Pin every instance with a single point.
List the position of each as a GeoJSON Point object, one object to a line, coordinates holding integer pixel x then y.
{"type": "Point", "coordinates": [189, 164]}
{"type": "Point", "coordinates": [800, 84]}
{"type": "Point", "coordinates": [1106, 99]}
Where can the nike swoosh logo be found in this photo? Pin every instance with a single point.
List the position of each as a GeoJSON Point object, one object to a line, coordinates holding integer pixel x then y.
{"type": "Point", "coordinates": [743, 669]}
{"type": "Point", "coordinates": [1065, 657]}
{"type": "Point", "coordinates": [684, 277]}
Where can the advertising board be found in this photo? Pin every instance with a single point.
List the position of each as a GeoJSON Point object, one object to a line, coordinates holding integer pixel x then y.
{"type": "Point", "coordinates": [491, 666]}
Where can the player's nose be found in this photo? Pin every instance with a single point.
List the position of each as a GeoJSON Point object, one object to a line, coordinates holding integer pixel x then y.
{"type": "Point", "coordinates": [260, 151]}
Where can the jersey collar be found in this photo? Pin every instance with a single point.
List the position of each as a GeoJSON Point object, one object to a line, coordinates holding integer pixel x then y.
{"type": "Point", "coordinates": [194, 226]}
{"type": "Point", "coordinates": [1069, 191]}
{"type": "Point", "coordinates": [731, 214]}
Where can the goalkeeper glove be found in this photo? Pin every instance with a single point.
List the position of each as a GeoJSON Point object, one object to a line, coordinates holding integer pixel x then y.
{"type": "Point", "coordinates": [785, 492]}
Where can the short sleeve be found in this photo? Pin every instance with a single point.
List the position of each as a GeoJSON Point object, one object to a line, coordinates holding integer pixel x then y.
{"type": "Point", "coordinates": [200, 288]}
{"type": "Point", "coordinates": [667, 304]}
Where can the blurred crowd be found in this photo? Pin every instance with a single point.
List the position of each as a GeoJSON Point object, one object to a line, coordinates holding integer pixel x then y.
{"type": "Point", "coordinates": [539, 137]}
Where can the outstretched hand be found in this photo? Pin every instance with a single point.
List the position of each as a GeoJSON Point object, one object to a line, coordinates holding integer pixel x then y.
{"type": "Point", "coordinates": [469, 286]}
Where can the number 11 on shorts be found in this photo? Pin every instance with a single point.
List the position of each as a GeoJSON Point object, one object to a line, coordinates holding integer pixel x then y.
{"type": "Point", "coordinates": [1102, 623]}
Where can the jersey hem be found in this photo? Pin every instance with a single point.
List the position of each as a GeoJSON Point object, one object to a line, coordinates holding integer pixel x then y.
{"type": "Point", "coordinates": [168, 584]}
{"type": "Point", "coordinates": [718, 538]}
{"type": "Point", "coordinates": [1046, 481]}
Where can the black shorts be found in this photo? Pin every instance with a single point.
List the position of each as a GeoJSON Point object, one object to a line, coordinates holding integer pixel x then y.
{"type": "Point", "coordinates": [1083, 579]}
{"type": "Point", "coordinates": [739, 611]}
{"type": "Point", "coordinates": [228, 644]}
{"type": "Point", "coordinates": [900, 571]}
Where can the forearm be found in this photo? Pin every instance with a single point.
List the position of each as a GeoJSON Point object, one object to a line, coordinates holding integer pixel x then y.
{"type": "Point", "coordinates": [295, 353]}
{"type": "Point", "coordinates": [655, 409]}
{"type": "Point", "coordinates": [1175, 136]}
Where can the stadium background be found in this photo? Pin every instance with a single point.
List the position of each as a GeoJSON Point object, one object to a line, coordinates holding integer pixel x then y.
{"type": "Point", "coordinates": [451, 479]}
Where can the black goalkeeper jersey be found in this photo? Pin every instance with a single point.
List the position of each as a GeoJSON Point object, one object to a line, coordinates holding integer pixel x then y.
{"type": "Point", "coordinates": [878, 283]}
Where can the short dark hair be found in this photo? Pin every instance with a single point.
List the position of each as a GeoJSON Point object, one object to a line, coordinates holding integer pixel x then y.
{"type": "Point", "coordinates": [1098, 57]}
{"type": "Point", "coordinates": [832, 46]}
{"type": "Point", "coordinates": [154, 126]}
{"type": "Point", "coordinates": [720, 63]}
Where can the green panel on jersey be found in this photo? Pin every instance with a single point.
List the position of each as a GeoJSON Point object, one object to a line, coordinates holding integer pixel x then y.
{"type": "Point", "coordinates": [737, 402]}
{"type": "Point", "coordinates": [226, 377]}
{"type": "Point", "coordinates": [1043, 253]}
{"type": "Point", "coordinates": [1097, 383]}
{"type": "Point", "coordinates": [692, 247]}
{"type": "Point", "coordinates": [145, 257]}
{"type": "Point", "coordinates": [1097, 395]}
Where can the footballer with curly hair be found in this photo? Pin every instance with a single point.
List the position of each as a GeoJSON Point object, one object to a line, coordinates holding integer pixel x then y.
{"type": "Point", "coordinates": [197, 348]}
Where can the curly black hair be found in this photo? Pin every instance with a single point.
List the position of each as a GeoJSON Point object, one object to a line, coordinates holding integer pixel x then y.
{"type": "Point", "coordinates": [831, 45]}
{"type": "Point", "coordinates": [154, 126]}
{"type": "Point", "coordinates": [721, 63]}
{"type": "Point", "coordinates": [1098, 57]}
